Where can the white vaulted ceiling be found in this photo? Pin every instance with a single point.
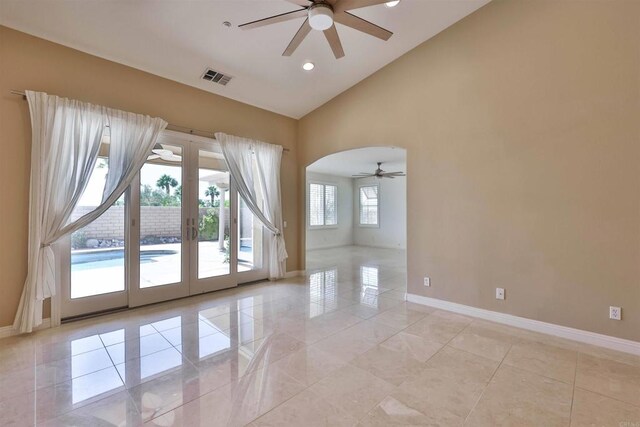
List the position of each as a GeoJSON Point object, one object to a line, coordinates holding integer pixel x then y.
{"type": "Point", "coordinates": [178, 39]}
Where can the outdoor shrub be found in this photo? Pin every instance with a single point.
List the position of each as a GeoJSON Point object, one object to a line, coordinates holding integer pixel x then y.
{"type": "Point", "coordinates": [227, 251]}
{"type": "Point", "coordinates": [208, 226]}
{"type": "Point", "coordinates": [78, 240]}
{"type": "Point", "coordinates": [152, 240]}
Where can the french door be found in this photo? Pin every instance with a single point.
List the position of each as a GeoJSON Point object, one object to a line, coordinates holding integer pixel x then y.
{"type": "Point", "coordinates": [181, 229]}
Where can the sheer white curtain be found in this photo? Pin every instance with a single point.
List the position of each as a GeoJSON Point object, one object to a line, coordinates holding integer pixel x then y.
{"type": "Point", "coordinates": [66, 138]}
{"type": "Point", "coordinates": [268, 159]}
{"type": "Point", "coordinates": [241, 155]}
{"type": "Point", "coordinates": [131, 138]}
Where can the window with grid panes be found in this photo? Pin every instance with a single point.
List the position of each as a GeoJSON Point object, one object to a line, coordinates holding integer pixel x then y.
{"type": "Point", "coordinates": [323, 209]}
{"type": "Point", "coordinates": [369, 205]}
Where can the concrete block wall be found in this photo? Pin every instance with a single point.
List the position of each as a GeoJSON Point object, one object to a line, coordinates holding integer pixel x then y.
{"type": "Point", "coordinates": [161, 221]}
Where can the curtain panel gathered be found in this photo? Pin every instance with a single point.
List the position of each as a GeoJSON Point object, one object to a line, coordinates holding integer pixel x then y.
{"type": "Point", "coordinates": [255, 168]}
{"type": "Point", "coordinates": [66, 139]}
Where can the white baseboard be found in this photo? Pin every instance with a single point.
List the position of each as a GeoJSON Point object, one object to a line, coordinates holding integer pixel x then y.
{"type": "Point", "coordinates": [380, 246]}
{"type": "Point", "coordinates": [294, 273]}
{"type": "Point", "coordinates": [8, 331]}
{"type": "Point", "coordinates": [606, 341]}
{"type": "Point", "coordinates": [330, 246]}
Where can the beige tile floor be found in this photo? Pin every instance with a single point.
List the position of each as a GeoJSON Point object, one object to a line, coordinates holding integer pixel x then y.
{"type": "Point", "coordinates": [338, 347]}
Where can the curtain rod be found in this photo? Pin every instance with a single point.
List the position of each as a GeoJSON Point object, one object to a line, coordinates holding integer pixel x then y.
{"type": "Point", "coordinates": [183, 129]}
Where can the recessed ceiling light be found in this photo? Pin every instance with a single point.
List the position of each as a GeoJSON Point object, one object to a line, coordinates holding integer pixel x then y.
{"type": "Point", "coordinates": [392, 3]}
{"type": "Point", "coordinates": [308, 66]}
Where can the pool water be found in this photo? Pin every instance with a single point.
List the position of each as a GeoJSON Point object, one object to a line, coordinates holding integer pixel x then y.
{"type": "Point", "coordinates": [113, 258]}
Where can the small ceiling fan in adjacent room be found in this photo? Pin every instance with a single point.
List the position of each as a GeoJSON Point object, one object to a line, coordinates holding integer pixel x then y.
{"type": "Point", "coordinates": [159, 152]}
{"type": "Point", "coordinates": [321, 15]}
{"type": "Point", "coordinates": [379, 173]}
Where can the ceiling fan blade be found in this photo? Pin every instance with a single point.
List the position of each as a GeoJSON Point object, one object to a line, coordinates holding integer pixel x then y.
{"type": "Point", "coordinates": [395, 173]}
{"type": "Point", "coordinates": [343, 5]}
{"type": "Point", "coordinates": [161, 151]}
{"type": "Point", "coordinates": [171, 158]}
{"type": "Point", "coordinates": [297, 39]}
{"type": "Point", "coordinates": [153, 157]}
{"type": "Point", "coordinates": [274, 19]}
{"type": "Point", "coordinates": [334, 41]}
{"type": "Point", "coordinates": [345, 18]}
{"type": "Point", "coordinates": [303, 3]}
{"type": "Point", "coordinates": [364, 175]}
{"type": "Point", "coordinates": [388, 176]}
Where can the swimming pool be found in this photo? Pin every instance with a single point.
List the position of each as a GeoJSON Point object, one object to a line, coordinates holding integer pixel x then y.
{"type": "Point", "coordinates": [114, 258]}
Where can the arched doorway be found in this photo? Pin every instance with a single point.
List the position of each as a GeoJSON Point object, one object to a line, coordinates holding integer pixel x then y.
{"type": "Point", "coordinates": [355, 226]}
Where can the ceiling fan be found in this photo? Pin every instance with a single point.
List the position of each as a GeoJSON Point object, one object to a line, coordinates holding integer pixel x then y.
{"type": "Point", "coordinates": [379, 173]}
{"type": "Point", "coordinates": [159, 152]}
{"type": "Point", "coordinates": [322, 15]}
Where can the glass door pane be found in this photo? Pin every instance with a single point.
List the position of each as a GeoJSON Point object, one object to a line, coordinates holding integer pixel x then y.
{"type": "Point", "coordinates": [93, 270]}
{"type": "Point", "coordinates": [161, 218]}
{"type": "Point", "coordinates": [213, 250]}
{"type": "Point", "coordinates": [212, 213]}
{"type": "Point", "coordinates": [250, 239]}
{"type": "Point", "coordinates": [159, 257]}
{"type": "Point", "coordinates": [98, 253]}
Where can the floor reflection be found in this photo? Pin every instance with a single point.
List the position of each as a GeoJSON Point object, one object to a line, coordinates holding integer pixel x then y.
{"type": "Point", "coordinates": [323, 292]}
{"type": "Point", "coordinates": [248, 348]}
{"type": "Point", "coordinates": [95, 384]}
{"type": "Point", "coordinates": [128, 357]}
{"type": "Point", "coordinates": [213, 344]}
{"type": "Point", "coordinates": [369, 286]}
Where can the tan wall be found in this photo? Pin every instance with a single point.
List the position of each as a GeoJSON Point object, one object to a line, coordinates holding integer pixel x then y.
{"type": "Point", "coordinates": [30, 63]}
{"type": "Point", "coordinates": [522, 125]}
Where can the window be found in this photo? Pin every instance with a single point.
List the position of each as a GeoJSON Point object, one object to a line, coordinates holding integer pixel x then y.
{"type": "Point", "coordinates": [369, 205]}
{"type": "Point", "coordinates": [323, 209]}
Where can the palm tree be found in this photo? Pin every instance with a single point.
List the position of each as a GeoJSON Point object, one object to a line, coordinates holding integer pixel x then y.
{"type": "Point", "coordinates": [166, 182]}
{"type": "Point", "coordinates": [212, 192]}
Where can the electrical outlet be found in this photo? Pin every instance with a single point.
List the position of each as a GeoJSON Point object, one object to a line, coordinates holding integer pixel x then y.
{"type": "Point", "coordinates": [499, 293]}
{"type": "Point", "coordinates": [615, 313]}
{"type": "Point", "coordinates": [427, 281]}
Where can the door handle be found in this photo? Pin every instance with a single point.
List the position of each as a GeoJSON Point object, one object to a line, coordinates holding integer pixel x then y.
{"type": "Point", "coordinates": [194, 232]}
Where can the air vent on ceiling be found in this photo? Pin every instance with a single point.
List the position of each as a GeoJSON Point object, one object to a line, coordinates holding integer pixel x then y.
{"type": "Point", "coordinates": [216, 77]}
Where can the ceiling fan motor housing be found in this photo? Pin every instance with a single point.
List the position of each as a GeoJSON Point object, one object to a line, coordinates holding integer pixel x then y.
{"type": "Point", "coordinates": [320, 16]}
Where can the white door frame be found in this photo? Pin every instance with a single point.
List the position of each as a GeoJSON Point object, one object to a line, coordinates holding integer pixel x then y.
{"type": "Point", "coordinates": [65, 306]}
{"type": "Point", "coordinates": [225, 281]}
{"type": "Point", "coordinates": [133, 296]}
{"type": "Point", "coordinates": [142, 296]}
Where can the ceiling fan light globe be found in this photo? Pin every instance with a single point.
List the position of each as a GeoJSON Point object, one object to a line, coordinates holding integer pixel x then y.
{"type": "Point", "coordinates": [320, 16]}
